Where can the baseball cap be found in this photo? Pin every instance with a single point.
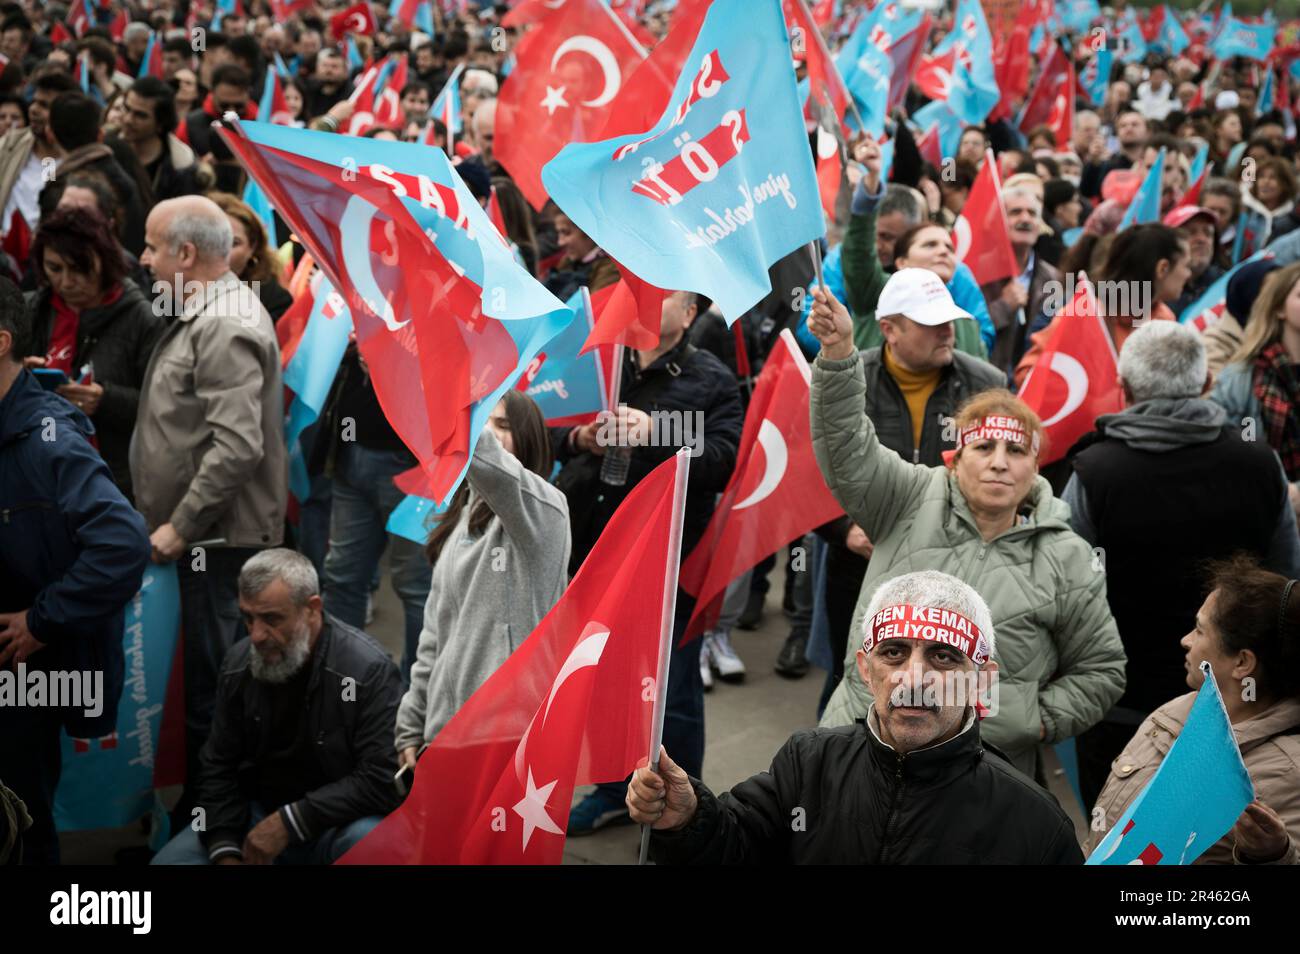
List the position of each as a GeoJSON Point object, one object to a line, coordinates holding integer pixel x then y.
{"type": "Point", "coordinates": [919, 294]}
{"type": "Point", "coordinates": [1185, 213]}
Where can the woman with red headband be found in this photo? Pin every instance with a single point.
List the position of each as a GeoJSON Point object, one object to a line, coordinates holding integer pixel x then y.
{"type": "Point", "coordinates": [989, 519]}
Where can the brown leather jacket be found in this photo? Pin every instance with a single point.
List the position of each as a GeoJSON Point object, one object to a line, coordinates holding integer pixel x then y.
{"type": "Point", "coordinates": [1270, 747]}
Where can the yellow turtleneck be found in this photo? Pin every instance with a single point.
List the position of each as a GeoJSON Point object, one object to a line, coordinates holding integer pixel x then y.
{"type": "Point", "coordinates": [916, 387]}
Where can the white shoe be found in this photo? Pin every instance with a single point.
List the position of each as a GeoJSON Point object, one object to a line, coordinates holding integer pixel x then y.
{"type": "Point", "coordinates": [706, 657]}
{"type": "Point", "coordinates": [725, 661]}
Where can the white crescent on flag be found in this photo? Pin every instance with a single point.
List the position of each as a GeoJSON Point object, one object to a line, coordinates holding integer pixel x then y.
{"type": "Point", "coordinates": [604, 57]}
{"type": "Point", "coordinates": [961, 237]}
{"type": "Point", "coordinates": [1076, 383]}
{"type": "Point", "coordinates": [355, 224]}
{"type": "Point", "coordinates": [776, 458]}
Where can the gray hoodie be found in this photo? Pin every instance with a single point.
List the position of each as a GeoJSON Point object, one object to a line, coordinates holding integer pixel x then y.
{"type": "Point", "coordinates": [488, 592]}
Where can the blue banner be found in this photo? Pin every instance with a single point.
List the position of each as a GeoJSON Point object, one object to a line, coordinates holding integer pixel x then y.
{"type": "Point", "coordinates": [567, 384]}
{"type": "Point", "coordinates": [412, 519]}
{"type": "Point", "coordinates": [108, 782]}
{"type": "Point", "coordinates": [1198, 793]}
{"type": "Point", "coordinates": [311, 372]}
{"type": "Point", "coordinates": [1252, 40]}
{"type": "Point", "coordinates": [1145, 206]}
{"type": "Point", "coordinates": [1095, 77]}
{"type": "Point", "coordinates": [713, 195]}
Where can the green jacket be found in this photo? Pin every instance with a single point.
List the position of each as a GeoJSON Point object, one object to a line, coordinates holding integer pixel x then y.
{"type": "Point", "coordinates": [865, 277]}
{"type": "Point", "coordinates": [1059, 652]}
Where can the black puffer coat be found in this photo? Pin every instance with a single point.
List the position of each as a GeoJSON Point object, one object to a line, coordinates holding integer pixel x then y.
{"type": "Point", "coordinates": [841, 796]}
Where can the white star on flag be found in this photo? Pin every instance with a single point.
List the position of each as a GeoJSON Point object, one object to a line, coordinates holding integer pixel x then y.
{"type": "Point", "coordinates": [554, 99]}
{"type": "Point", "coordinates": [532, 809]}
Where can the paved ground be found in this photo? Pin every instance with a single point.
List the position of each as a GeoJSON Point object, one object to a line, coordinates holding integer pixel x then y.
{"type": "Point", "coordinates": [744, 724]}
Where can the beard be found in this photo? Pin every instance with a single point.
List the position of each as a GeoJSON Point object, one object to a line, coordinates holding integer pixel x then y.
{"type": "Point", "coordinates": [292, 658]}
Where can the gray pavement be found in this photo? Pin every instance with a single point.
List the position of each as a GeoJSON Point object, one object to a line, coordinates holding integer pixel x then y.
{"type": "Point", "coordinates": [745, 724]}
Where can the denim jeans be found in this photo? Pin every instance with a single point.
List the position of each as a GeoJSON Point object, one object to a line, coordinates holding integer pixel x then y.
{"type": "Point", "coordinates": [314, 523]}
{"type": "Point", "coordinates": [364, 496]}
{"type": "Point", "coordinates": [329, 846]}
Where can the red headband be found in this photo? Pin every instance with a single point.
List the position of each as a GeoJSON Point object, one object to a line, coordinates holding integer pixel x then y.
{"type": "Point", "coordinates": [997, 427]}
{"type": "Point", "coordinates": [905, 621]}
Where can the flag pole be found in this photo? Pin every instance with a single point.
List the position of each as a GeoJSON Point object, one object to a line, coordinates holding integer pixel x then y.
{"type": "Point", "coordinates": [835, 70]}
{"type": "Point", "coordinates": [672, 566]}
{"type": "Point", "coordinates": [816, 250]}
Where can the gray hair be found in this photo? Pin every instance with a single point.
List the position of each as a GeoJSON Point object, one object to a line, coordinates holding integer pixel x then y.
{"type": "Point", "coordinates": [134, 29]}
{"type": "Point", "coordinates": [1025, 191]}
{"type": "Point", "coordinates": [263, 569]}
{"type": "Point", "coordinates": [1163, 359]}
{"type": "Point", "coordinates": [210, 234]}
{"type": "Point", "coordinates": [901, 199]}
{"type": "Point", "coordinates": [479, 81]}
{"type": "Point", "coordinates": [936, 590]}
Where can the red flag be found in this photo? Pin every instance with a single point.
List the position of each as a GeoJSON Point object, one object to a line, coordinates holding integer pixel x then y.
{"type": "Point", "coordinates": [154, 63]}
{"type": "Point", "coordinates": [571, 706]}
{"type": "Point", "coordinates": [644, 97]}
{"type": "Point", "coordinates": [1076, 377]}
{"type": "Point", "coordinates": [776, 493]}
{"type": "Point", "coordinates": [1052, 103]}
{"type": "Point", "coordinates": [77, 18]}
{"type": "Point", "coordinates": [364, 100]}
{"type": "Point", "coordinates": [928, 146]}
{"type": "Point", "coordinates": [116, 29]}
{"type": "Point", "coordinates": [906, 53]}
{"type": "Point", "coordinates": [825, 84]}
{"type": "Point", "coordinates": [59, 33]}
{"type": "Point", "coordinates": [494, 213]}
{"type": "Point", "coordinates": [627, 313]}
{"type": "Point", "coordinates": [568, 69]}
{"type": "Point", "coordinates": [981, 236]}
{"type": "Point", "coordinates": [934, 75]}
{"type": "Point", "coordinates": [1198, 100]}
{"type": "Point", "coordinates": [281, 10]}
{"type": "Point", "coordinates": [830, 170]}
{"type": "Point", "coordinates": [1011, 67]}
{"type": "Point", "coordinates": [389, 109]}
{"type": "Point", "coordinates": [355, 19]}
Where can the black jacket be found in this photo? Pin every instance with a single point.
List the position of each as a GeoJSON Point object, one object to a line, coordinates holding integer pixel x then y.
{"type": "Point", "coordinates": [72, 550]}
{"type": "Point", "coordinates": [353, 690]}
{"type": "Point", "coordinates": [841, 796]}
{"type": "Point", "coordinates": [98, 157]}
{"type": "Point", "coordinates": [118, 340]}
{"type": "Point", "coordinates": [685, 380]}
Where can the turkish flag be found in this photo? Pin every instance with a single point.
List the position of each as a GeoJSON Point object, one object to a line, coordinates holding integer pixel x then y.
{"type": "Point", "coordinates": [1076, 378]}
{"type": "Point", "coordinates": [776, 493]}
{"type": "Point", "coordinates": [571, 706]}
{"type": "Point", "coordinates": [1011, 66]}
{"type": "Point", "coordinates": [981, 236]}
{"type": "Point", "coordinates": [830, 169]}
{"type": "Point", "coordinates": [59, 33]}
{"type": "Point", "coordinates": [568, 69]}
{"type": "Point", "coordinates": [934, 75]}
{"type": "Point", "coordinates": [117, 28]}
{"type": "Point", "coordinates": [644, 97]}
{"type": "Point", "coordinates": [824, 81]}
{"type": "Point", "coordinates": [365, 103]}
{"type": "Point", "coordinates": [357, 19]}
{"type": "Point", "coordinates": [282, 9]}
{"type": "Point", "coordinates": [929, 148]}
{"type": "Point", "coordinates": [1052, 103]}
{"type": "Point", "coordinates": [388, 110]}
{"type": "Point", "coordinates": [627, 313]}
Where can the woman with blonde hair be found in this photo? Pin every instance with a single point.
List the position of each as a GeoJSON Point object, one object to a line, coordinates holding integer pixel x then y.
{"type": "Point", "coordinates": [987, 518]}
{"type": "Point", "coordinates": [251, 257]}
{"type": "Point", "coordinates": [1261, 384]}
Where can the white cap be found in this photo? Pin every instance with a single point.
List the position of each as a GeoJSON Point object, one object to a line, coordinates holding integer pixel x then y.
{"type": "Point", "coordinates": [1227, 99]}
{"type": "Point", "coordinates": [919, 294]}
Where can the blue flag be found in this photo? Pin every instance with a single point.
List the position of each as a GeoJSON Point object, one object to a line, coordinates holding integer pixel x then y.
{"type": "Point", "coordinates": [1253, 226]}
{"type": "Point", "coordinates": [974, 91]}
{"type": "Point", "coordinates": [721, 187]}
{"type": "Point", "coordinates": [310, 373]}
{"type": "Point", "coordinates": [1264, 103]}
{"type": "Point", "coordinates": [1208, 309]}
{"type": "Point", "coordinates": [1171, 38]}
{"type": "Point", "coordinates": [355, 62]}
{"type": "Point", "coordinates": [108, 782]}
{"type": "Point", "coordinates": [569, 387]}
{"type": "Point", "coordinates": [1096, 76]}
{"type": "Point", "coordinates": [412, 519]}
{"type": "Point", "coordinates": [1145, 206]}
{"type": "Point", "coordinates": [1132, 46]}
{"type": "Point", "coordinates": [446, 106]}
{"type": "Point", "coordinates": [1077, 15]}
{"type": "Point", "coordinates": [950, 125]}
{"type": "Point", "coordinates": [1198, 793]}
{"type": "Point", "coordinates": [1198, 163]}
{"type": "Point", "coordinates": [1252, 40]}
{"type": "Point", "coordinates": [866, 66]}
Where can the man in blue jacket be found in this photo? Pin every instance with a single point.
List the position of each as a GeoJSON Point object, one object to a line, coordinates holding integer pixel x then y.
{"type": "Point", "coordinates": [72, 554]}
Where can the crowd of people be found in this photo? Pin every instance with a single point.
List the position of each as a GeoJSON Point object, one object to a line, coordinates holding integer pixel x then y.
{"type": "Point", "coordinates": [142, 419]}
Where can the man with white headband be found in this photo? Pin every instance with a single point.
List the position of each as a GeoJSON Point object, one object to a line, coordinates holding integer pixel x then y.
{"type": "Point", "coordinates": [910, 784]}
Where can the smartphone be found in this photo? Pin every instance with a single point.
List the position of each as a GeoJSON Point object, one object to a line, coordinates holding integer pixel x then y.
{"type": "Point", "coordinates": [50, 378]}
{"type": "Point", "coordinates": [402, 780]}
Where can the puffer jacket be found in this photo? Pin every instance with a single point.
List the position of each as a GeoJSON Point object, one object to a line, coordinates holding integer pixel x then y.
{"type": "Point", "coordinates": [1270, 747]}
{"type": "Point", "coordinates": [117, 339]}
{"type": "Point", "coordinates": [1059, 652]}
{"type": "Point", "coordinates": [842, 796]}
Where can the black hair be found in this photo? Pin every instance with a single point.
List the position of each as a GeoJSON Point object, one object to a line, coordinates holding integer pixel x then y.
{"type": "Point", "coordinates": [414, 86]}
{"type": "Point", "coordinates": [1136, 252]}
{"type": "Point", "coordinates": [231, 74]}
{"type": "Point", "coordinates": [16, 100]}
{"type": "Point", "coordinates": [162, 97]}
{"type": "Point", "coordinates": [1251, 613]}
{"type": "Point", "coordinates": [54, 80]}
{"type": "Point", "coordinates": [178, 44]}
{"type": "Point", "coordinates": [74, 119]}
{"type": "Point", "coordinates": [246, 49]}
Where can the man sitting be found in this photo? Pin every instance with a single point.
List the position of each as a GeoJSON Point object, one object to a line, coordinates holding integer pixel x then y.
{"type": "Point", "coordinates": [913, 785]}
{"type": "Point", "coordinates": [299, 765]}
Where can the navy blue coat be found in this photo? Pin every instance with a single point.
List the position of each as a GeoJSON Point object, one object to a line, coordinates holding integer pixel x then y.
{"type": "Point", "coordinates": [72, 550]}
